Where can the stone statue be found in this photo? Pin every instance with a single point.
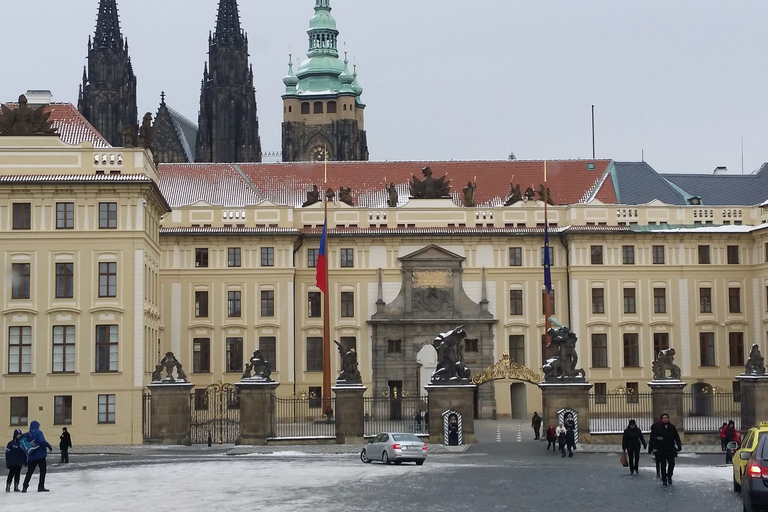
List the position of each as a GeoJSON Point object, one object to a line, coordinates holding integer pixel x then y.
{"type": "Point", "coordinates": [313, 196]}
{"type": "Point", "coordinates": [391, 195]}
{"type": "Point", "coordinates": [169, 363]}
{"type": "Point", "coordinates": [145, 132]}
{"type": "Point", "coordinates": [429, 187]}
{"type": "Point", "coordinates": [545, 195]}
{"type": "Point", "coordinates": [247, 372]}
{"type": "Point", "coordinates": [259, 366]}
{"type": "Point", "coordinates": [25, 121]}
{"type": "Point", "coordinates": [345, 196]}
{"type": "Point", "coordinates": [563, 364]}
{"type": "Point", "coordinates": [529, 194]}
{"type": "Point", "coordinates": [469, 194]}
{"type": "Point", "coordinates": [330, 195]}
{"type": "Point", "coordinates": [128, 136]}
{"type": "Point", "coordinates": [515, 196]}
{"type": "Point", "coordinates": [755, 363]}
{"type": "Point", "coordinates": [450, 357]}
{"type": "Point", "coordinates": [350, 374]}
{"type": "Point", "coordinates": [157, 375]}
{"type": "Point", "coordinates": [664, 361]}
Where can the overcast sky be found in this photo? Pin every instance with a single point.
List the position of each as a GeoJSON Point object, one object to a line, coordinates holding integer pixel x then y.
{"type": "Point", "coordinates": [680, 82]}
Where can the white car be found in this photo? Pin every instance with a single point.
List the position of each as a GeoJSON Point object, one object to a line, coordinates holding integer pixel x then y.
{"type": "Point", "coordinates": [395, 447]}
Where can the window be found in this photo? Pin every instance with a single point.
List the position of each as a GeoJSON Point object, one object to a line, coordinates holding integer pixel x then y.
{"type": "Point", "coordinates": [106, 348]}
{"type": "Point", "coordinates": [107, 215]}
{"type": "Point", "coordinates": [347, 304]}
{"type": "Point", "coordinates": [657, 252]}
{"type": "Point", "coordinates": [233, 256]}
{"type": "Point", "coordinates": [471, 346]}
{"type": "Point", "coordinates": [599, 351]}
{"type": "Point", "coordinates": [601, 393]}
{"type": "Point", "coordinates": [598, 301]}
{"type": "Point", "coordinates": [315, 397]}
{"type": "Point", "coordinates": [312, 255]}
{"type": "Point", "coordinates": [19, 410]}
{"type": "Point", "coordinates": [234, 355]}
{"type": "Point", "coordinates": [734, 300]}
{"type": "Point", "coordinates": [659, 300]}
{"type": "Point", "coordinates": [733, 254]}
{"type": "Point", "coordinates": [201, 304]}
{"type": "Point", "coordinates": [318, 107]}
{"type": "Point", "coordinates": [20, 349]}
{"type": "Point", "coordinates": [596, 255]}
{"type": "Point", "coordinates": [704, 255]}
{"type": "Point", "coordinates": [331, 107]}
{"type": "Point", "coordinates": [632, 396]}
{"type": "Point", "coordinates": [517, 348]}
{"type": "Point", "coordinates": [107, 408]}
{"type": "Point", "coordinates": [707, 348]}
{"type": "Point", "coordinates": [268, 348]}
{"type": "Point", "coordinates": [347, 258]}
{"type": "Point", "coordinates": [394, 346]}
{"type": "Point", "coordinates": [314, 306]}
{"type": "Point", "coordinates": [631, 350]}
{"type": "Point", "coordinates": [201, 355]}
{"type": "Point", "coordinates": [630, 304]}
{"type": "Point", "coordinates": [305, 107]}
{"type": "Point", "coordinates": [314, 354]}
{"type": "Point", "coordinates": [233, 304]}
{"type": "Point", "coordinates": [20, 287]}
{"type": "Point", "coordinates": [736, 348]}
{"type": "Point", "coordinates": [551, 302]}
{"type": "Point", "coordinates": [515, 302]}
{"type": "Point", "coordinates": [515, 256]}
{"type": "Point", "coordinates": [201, 257]}
{"type": "Point", "coordinates": [705, 300]}
{"type": "Point", "coordinates": [62, 410]}
{"type": "Point", "coordinates": [267, 303]}
{"type": "Point", "coordinates": [551, 257]}
{"type": "Point", "coordinates": [65, 215]}
{"type": "Point", "coordinates": [63, 348]}
{"type": "Point", "coordinates": [267, 256]}
{"type": "Point", "coordinates": [628, 254]}
{"type": "Point", "coordinates": [22, 216]}
{"type": "Point", "coordinates": [660, 342]}
{"type": "Point", "coordinates": [108, 279]}
{"type": "Point", "coordinates": [65, 278]}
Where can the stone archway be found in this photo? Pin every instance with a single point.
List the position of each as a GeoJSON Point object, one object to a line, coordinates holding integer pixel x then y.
{"type": "Point", "coordinates": [426, 358]}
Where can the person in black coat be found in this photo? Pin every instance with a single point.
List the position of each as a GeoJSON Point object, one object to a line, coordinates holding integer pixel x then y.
{"type": "Point", "coordinates": [666, 442]}
{"type": "Point", "coordinates": [15, 458]}
{"type": "Point", "coordinates": [65, 443]}
{"type": "Point", "coordinates": [570, 434]}
{"type": "Point", "coordinates": [630, 444]}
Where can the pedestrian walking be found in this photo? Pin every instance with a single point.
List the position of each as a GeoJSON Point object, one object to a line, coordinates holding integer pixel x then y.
{"type": "Point", "coordinates": [65, 443]}
{"type": "Point", "coordinates": [536, 425]}
{"type": "Point", "coordinates": [551, 438]}
{"type": "Point", "coordinates": [561, 432]}
{"type": "Point", "coordinates": [630, 444]}
{"type": "Point", "coordinates": [666, 443]}
{"type": "Point", "coordinates": [36, 456]}
{"type": "Point", "coordinates": [15, 457]}
{"type": "Point", "coordinates": [723, 442]}
{"type": "Point", "coordinates": [570, 434]}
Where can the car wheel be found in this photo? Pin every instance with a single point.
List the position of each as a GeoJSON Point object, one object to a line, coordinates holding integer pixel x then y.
{"type": "Point", "coordinates": [419, 462]}
{"type": "Point", "coordinates": [364, 456]}
{"type": "Point", "coordinates": [385, 457]}
{"type": "Point", "coordinates": [736, 486]}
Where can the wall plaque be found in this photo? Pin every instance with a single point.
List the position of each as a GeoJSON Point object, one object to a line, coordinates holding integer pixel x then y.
{"type": "Point", "coordinates": [432, 279]}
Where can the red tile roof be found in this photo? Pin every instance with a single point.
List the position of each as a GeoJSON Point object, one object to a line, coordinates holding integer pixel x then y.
{"type": "Point", "coordinates": [72, 127]}
{"type": "Point", "coordinates": [570, 181]}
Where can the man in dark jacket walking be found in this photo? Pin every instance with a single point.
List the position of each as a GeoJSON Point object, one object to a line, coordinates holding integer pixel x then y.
{"type": "Point", "coordinates": [666, 442]}
{"type": "Point", "coordinates": [15, 457]}
{"type": "Point", "coordinates": [536, 425]}
{"type": "Point", "coordinates": [65, 443]}
{"type": "Point", "coordinates": [36, 457]}
{"type": "Point", "coordinates": [630, 444]}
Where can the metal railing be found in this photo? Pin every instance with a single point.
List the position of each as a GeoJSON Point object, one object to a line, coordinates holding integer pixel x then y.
{"type": "Point", "coordinates": [610, 413]}
{"type": "Point", "coordinates": [705, 411]}
{"type": "Point", "coordinates": [146, 416]}
{"type": "Point", "coordinates": [403, 414]}
{"type": "Point", "coordinates": [303, 418]}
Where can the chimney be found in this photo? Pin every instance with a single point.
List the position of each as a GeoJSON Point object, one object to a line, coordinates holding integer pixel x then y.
{"type": "Point", "coordinates": [721, 170]}
{"type": "Point", "coordinates": [35, 97]}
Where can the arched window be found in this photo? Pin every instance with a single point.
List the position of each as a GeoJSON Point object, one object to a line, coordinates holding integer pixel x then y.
{"type": "Point", "coordinates": [305, 107]}
{"type": "Point", "coordinates": [331, 107]}
{"type": "Point", "coordinates": [345, 106]}
{"type": "Point", "coordinates": [290, 108]}
{"type": "Point", "coordinates": [318, 107]}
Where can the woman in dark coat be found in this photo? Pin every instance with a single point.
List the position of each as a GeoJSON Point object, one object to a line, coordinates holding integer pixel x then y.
{"type": "Point", "coordinates": [551, 438]}
{"type": "Point", "coordinates": [15, 458]}
{"type": "Point", "coordinates": [666, 443]}
{"type": "Point", "coordinates": [630, 444]}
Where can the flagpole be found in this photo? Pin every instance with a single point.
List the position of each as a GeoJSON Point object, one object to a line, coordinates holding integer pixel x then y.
{"type": "Point", "coordinates": [547, 263]}
{"type": "Point", "coordinates": [326, 304]}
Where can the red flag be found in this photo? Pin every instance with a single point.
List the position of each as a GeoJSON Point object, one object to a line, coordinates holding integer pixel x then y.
{"type": "Point", "coordinates": [321, 277]}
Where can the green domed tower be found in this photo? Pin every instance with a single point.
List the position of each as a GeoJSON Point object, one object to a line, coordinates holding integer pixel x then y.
{"type": "Point", "coordinates": [322, 109]}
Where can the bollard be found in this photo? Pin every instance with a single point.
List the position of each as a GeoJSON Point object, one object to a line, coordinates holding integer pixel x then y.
{"type": "Point", "coordinates": [498, 433]}
{"type": "Point", "coordinates": [519, 434]}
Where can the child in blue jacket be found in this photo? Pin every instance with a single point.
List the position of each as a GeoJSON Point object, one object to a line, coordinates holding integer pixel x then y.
{"type": "Point", "coordinates": [15, 457]}
{"type": "Point", "coordinates": [37, 457]}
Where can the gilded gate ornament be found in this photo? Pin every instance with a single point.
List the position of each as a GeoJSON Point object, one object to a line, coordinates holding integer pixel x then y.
{"type": "Point", "coordinates": [506, 369]}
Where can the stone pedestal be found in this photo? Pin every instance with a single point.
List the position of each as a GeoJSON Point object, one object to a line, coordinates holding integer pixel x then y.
{"type": "Point", "coordinates": [256, 410]}
{"type": "Point", "coordinates": [668, 398]}
{"type": "Point", "coordinates": [350, 414]}
{"type": "Point", "coordinates": [754, 399]}
{"type": "Point", "coordinates": [556, 396]}
{"type": "Point", "coordinates": [171, 415]}
{"type": "Point", "coordinates": [459, 398]}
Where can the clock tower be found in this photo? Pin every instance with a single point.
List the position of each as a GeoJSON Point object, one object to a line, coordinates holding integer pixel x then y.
{"type": "Point", "coordinates": [322, 108]}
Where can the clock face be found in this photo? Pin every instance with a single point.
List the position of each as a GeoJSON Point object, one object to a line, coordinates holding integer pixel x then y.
{"type": "Point", "coordinates": [318, 154]}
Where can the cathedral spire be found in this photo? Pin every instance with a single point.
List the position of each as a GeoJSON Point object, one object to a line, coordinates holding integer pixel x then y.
{"type": "Point", "coordinates": [108, 26]}
{"type": "Point", "coordinates": [228, 23]}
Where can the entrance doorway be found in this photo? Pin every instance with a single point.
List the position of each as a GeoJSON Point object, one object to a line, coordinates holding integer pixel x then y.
{"type": "Point", "coordinates": [517, 396]}
{"type": "Point", "coordinates": [395, 399]}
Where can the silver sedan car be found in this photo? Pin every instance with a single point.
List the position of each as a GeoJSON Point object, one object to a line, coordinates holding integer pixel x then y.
{"type": "Point", "coordinates": [395, 447]}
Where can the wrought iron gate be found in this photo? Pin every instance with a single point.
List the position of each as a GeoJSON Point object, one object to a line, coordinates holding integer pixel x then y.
{"type": "Point", "coordinates": [216, 413]}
